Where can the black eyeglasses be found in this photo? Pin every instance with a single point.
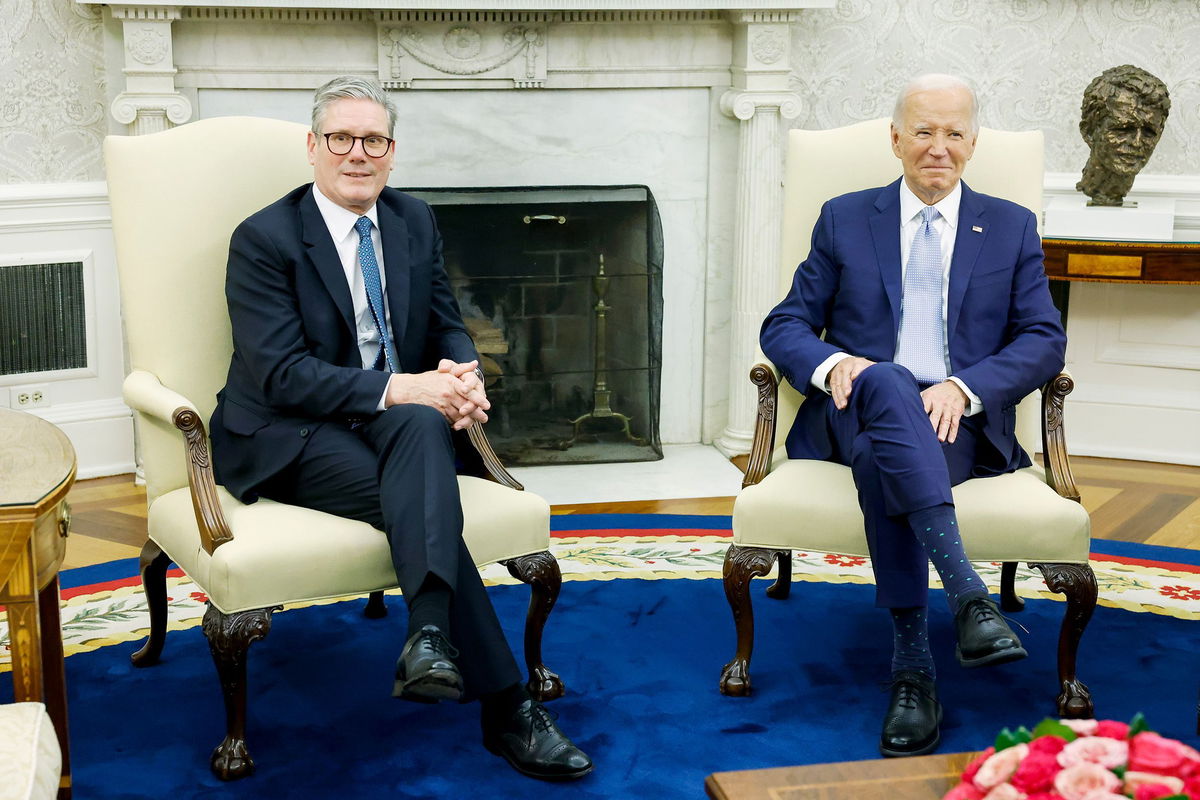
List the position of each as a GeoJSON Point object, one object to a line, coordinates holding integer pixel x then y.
{"type": "Point", "coordinates": [342, 143]}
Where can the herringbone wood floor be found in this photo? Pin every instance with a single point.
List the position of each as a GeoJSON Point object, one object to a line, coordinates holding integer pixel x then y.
{"type": "Point", "coordinates": [1129, 500]}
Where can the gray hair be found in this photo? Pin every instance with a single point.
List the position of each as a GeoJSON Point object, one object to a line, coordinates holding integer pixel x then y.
{"type": "Point", "coordinates": [930, 82]}
{"type": "Point", "coordinates": [354, 87]}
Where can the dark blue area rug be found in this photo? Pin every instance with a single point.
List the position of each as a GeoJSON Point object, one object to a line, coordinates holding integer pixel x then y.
{"type": "Point", "coordinates": [641, 661]}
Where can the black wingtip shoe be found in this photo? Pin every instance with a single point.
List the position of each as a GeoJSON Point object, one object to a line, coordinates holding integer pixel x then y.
{"type": "Point", "coordinates": [425, 672]}
{"type": "Point", "coordinates": [910, 727]}
{"type": "Point", "coordinates": [530, 741]}
{"type": "Point", "coordinates": [984, 638]}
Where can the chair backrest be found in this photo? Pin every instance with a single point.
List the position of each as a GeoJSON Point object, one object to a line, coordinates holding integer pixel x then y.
{"type": "Point", "coordinates": [176, 198]}
{"type": "Point", "coordinates": [824, 164]}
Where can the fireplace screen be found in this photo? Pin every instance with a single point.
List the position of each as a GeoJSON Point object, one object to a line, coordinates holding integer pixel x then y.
{"type": "Point", "coordinates": [561, 289]}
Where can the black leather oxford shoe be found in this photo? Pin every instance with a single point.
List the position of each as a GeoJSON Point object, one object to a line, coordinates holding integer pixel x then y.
{"type": "Point", "coordinates": [425, 672]}
{"type": "Point", "coordinates": [530, 741]}
{"type": "Point", "coordinates": [910, 727]}
{"type": "Point", "coordinates": [983, 636]}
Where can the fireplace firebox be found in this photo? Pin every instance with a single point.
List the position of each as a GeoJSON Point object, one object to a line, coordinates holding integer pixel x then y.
{"type": "Point", "coordinates": [561, 288]}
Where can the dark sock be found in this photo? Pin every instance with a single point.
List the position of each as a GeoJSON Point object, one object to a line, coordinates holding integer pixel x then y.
{"type": "Point", "coordinates": [499, 706]}
{"type": "Point", "coordinates": [430, 606]}
{"type": "Point", "coordinates": [937, 529]}
{"type": "Point", "coordinates": [910, 646]}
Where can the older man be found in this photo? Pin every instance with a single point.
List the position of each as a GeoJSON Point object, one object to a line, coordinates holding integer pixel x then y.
{"type": "Point", "coordinates": [351, 367]}
{"type": "Point", "coordinates": [937, 320]}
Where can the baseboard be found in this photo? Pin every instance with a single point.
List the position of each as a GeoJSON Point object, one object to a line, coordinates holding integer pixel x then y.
{"type": "Point", "coordinates": [1138, 433]}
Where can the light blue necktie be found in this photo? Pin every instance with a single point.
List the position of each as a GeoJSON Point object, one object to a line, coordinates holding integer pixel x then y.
{"type": "Point", "coordinates": [370, 270]}
{"type": "Point", "coordinates": [922, 336]}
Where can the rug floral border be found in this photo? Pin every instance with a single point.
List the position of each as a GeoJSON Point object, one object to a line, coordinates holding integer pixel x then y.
{"type": "Point", "coordinates": [92, 620]}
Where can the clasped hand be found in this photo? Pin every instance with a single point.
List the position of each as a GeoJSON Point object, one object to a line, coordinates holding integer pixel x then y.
{"type": "Point", "coordinates": [944, 402]}
{"type": "Point", "coordinates": [454, 389]}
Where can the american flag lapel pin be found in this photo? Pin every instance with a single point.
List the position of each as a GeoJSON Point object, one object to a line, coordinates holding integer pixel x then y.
{"type": "Point", "coordinates": [977, 229]}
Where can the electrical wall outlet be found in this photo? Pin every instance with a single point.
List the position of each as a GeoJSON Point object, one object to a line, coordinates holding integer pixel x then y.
{"type": "Point", "coordinates": [27, 397]}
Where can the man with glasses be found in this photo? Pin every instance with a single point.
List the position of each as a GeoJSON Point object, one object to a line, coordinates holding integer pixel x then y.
{"type": "Point", "coordinates": [351, 368]}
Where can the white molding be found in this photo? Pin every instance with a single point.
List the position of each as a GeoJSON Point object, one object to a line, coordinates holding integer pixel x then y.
{"type": "Point", "coordinates": [89, 411]}
{"type": "Point", "coordinates": [1184, 189]}
{"type": "Point", "coordinates": [52, 195]}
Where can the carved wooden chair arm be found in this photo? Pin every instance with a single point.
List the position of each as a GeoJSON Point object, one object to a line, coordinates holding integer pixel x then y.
{"type": "Point", "coordinates": [491, 462]}
{"type": "Point", "coordinates": [145, 393]}
{"type": "Point", "coordinates": [1054, 440]}
{"type": "Point", "coordinates": [762, 376]}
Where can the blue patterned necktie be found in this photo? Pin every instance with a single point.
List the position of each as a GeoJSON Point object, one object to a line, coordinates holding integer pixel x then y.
{"type": "Point", "coordinates": [370, 270]}
{"type": "Point", "coordinates": [922, 335]}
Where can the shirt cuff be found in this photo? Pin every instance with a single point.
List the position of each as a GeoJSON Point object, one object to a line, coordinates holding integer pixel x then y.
{"type": "Point", "coordinates": [975, 404]}
{"type": "Point", "coordinates": [820, 376]}
{"type": "Point", "coordinates": [383, 397]}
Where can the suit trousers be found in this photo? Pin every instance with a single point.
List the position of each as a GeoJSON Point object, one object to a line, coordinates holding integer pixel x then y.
{"type": "Point", "coordinates": [396, 472]}
{"type": "Point", "coordinates": [899, 466]}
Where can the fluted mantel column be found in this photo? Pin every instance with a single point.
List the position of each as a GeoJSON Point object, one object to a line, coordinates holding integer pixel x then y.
{"type": "Point", "coordinates": [149, 103]}
{"type": "Point", "coordinates": [761, 101]}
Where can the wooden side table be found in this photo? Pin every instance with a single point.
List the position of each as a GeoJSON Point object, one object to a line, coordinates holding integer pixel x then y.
{"type": "Point", "coordinates": [1070, 260]}
{"type": "Point", "coordinates": [37, 469]}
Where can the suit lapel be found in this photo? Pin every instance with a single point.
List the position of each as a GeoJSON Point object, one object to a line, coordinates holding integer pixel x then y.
{"type": "Point", "coordinates": [324, 256]}
{"type": "Point", "coordinates": [885, 233]}
{"type": "Point", "coordinates": [397, 266]}
{"type": "Point", "coordinates": [968, 242]}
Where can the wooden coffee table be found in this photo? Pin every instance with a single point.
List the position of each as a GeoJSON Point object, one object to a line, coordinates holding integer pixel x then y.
{"type": "Point", "coordinates": [921, 778]}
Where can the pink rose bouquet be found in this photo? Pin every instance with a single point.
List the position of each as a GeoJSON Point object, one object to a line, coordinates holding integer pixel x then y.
{"type": "Point", "coordinates": [1082, 760]}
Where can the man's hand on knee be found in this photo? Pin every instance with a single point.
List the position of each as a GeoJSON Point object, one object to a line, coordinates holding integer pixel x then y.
{"type": "Point", "coordinates": [945, 404]}
{"type": "Point", "coordinates": [472, 403]}
{"type": "Point", "coordinates": [841, 378]}
{"type": "Point", "coordinates": [461, 402]}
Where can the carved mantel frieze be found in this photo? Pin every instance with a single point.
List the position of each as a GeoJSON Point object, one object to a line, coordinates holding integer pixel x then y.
{"type": "Point", "coordinates": [507, 54]}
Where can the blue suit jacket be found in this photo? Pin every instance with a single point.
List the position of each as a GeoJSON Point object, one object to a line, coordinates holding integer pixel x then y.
{"type": "Point", "coordinates": [1005, 336]}
{"type": "Point", "coordinates": [296, 362]}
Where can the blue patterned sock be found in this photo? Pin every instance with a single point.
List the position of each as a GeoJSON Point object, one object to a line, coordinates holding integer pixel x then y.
{"type": "Point", "coordinates": [937, 529]}
{"type": "Point", "coordinates": [910, 646]}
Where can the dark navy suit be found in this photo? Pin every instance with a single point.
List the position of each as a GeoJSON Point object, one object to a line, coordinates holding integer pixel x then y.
{"type": "Point", "coordinates": [1005, 339]}
{"type": "Point", "coordinates": [297, 419]}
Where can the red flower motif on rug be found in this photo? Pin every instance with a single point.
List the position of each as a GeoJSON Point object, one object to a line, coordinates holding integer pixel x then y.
{"type": "Point", "coordinates": [1180, 592]}
{"type": "Point", "coordinates": [844, 561]}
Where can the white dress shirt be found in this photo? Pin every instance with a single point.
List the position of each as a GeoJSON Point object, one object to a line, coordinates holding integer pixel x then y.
{"type": "Point", "coordinates": [946, 225]}
{"type": "Point", "coordinates": [340, 222]}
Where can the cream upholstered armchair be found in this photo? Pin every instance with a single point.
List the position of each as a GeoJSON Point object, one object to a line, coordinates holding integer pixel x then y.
{"type": "Point", "coordinates": [788, 504]}
{"type": "Point", "coordinates": [176, 198]}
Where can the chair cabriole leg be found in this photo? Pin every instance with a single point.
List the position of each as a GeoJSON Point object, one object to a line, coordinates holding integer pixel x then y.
{"type": "Point", "coordinates": [741, 565]}
{"type": "Point", "coordinates": [1009, 601]}
{"type": "Point", "coordinates": [782, 587]}
{"type": "Point", "coordinates": [1078, 583]}
{"type": "Point", "coordinates": [153, 564]}
{"type": "Point", "coordinates": [229, 638]}
{"type": "Point", "coordinates": [539, 570]}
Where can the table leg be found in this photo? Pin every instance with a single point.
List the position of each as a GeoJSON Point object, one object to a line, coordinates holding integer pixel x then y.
{"type": "Point", "coordinates": [24, 629]}
{"type": "Point", "coordinates": [55, 677]}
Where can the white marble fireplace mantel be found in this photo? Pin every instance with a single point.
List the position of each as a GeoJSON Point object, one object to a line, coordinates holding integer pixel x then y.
{"type": "Point", "coordinates": [688, 97]}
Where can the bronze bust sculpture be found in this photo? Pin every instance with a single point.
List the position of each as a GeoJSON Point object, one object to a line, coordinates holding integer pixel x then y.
{"type": "Point", "coordinates": [1122, 118]}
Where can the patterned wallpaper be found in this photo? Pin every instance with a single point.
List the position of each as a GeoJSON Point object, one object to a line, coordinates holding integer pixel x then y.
{"type": "Point", "coordinates": [1030, 61]}
{"type": "Point", "coordinates": [52, 108]}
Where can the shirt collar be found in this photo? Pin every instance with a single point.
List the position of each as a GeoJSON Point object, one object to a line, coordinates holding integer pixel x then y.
{"type": "Point", "coordinates": [911, 205]}
{"type": "Point", "coordinates": [340, 221]}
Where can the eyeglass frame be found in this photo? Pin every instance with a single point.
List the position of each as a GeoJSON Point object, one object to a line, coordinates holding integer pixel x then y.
{"type": "Point", "coordinates": [356, 139]}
